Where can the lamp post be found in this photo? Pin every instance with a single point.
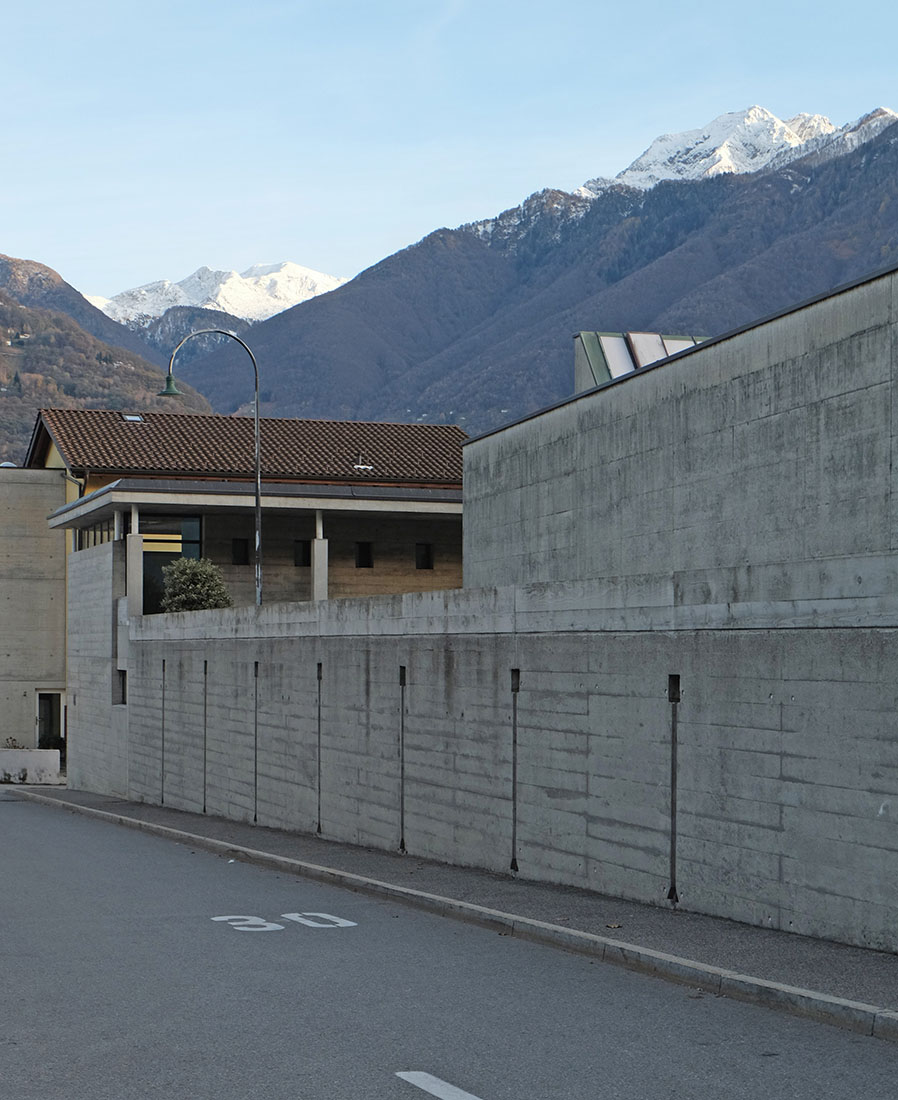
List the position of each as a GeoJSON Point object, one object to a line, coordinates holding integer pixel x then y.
{"type": "Point", "coordinates": [171, 390]}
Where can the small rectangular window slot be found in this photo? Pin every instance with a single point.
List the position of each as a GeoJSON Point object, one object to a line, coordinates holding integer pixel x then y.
{"type": "Point", "coordinates": [673, 689]}
{"type": "Point", "coordinates": [302, 553]}
{"type": "Point", "coordinates": [424, 555]}
{"type": "Point", "coordinates": [364, 555]}
{"type": "Point", "coordinates": [120, 688]}
{"type": "Point", "coordinates": [239, 551]}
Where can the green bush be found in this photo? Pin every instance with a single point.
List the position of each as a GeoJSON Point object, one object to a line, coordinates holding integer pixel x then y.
{"type": "Point", "coordinates": [193, 584]}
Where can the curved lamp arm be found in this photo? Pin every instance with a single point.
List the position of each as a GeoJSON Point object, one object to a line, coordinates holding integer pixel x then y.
{"type": "Point", "coordinates": [171, 390]}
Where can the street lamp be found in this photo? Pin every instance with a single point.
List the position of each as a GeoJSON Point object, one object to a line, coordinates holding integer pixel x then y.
{"type": "Point", "coordinates": [171, 390]}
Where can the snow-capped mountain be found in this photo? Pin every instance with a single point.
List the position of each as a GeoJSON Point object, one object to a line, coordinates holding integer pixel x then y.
{"type": "Point", "coordinates": [255, 294]}
{"type": "Point", "coordinates": [742, 141]}
{"type": "Point", "coordinates": [739, 142]}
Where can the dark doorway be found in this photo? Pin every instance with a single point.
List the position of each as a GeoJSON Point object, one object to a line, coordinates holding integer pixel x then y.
{"type": "Point", "coordinates": [49, 723]}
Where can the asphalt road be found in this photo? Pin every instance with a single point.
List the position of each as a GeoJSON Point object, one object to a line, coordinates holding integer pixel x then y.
{"type": "Point", "coordinates": [135, 967]}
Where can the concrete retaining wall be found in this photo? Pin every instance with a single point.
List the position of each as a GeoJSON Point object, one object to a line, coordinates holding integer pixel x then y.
{"type": "Point", "coordinates": [786, 768]}
{"type": "Point", "coordinates": [728, 520]}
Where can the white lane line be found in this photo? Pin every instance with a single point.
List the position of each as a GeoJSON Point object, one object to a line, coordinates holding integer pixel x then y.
{"type": "Point", "coordinates": [435, 1086]}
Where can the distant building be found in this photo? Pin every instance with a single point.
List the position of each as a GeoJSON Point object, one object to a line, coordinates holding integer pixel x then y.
{"type": "Point", "coordinates": [348, 508]}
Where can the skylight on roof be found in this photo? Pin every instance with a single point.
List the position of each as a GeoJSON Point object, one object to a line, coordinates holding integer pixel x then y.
{"type": "Point", "coordinates": [133, 418]}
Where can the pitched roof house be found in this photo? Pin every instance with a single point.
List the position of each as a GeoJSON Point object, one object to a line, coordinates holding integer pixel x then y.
{"type": "Point", "coordinates": [348, 508]}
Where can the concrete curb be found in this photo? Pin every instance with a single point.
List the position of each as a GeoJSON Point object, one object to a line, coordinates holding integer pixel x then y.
{"type": "Point", "coordinates": [854, 1016]}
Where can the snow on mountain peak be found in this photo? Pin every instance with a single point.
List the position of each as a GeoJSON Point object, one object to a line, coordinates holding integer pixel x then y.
{"type": "Point", "coordinates": [254, 295]}
{"type": "Point", "coordinates": [807, 126]}
{"type": "Point", "coordinates": [742, 141]}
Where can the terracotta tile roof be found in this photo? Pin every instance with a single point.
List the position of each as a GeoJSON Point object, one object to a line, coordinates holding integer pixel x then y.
{"type": "Point", "coordinates": [179, 444]}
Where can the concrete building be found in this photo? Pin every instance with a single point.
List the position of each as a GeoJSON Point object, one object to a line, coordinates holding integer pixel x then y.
{"type": "Point", "coordinates": [670, 676]}
{"type": "Point", "coordinates": [32, 606]}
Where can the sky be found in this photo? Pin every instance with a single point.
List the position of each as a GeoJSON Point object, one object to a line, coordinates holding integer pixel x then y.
{"type": "Point", "coordinates": [142, 141]}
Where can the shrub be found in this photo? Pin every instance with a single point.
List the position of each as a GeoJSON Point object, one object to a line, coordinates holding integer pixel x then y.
{"type": "Point", "coordinates": [193, 584]}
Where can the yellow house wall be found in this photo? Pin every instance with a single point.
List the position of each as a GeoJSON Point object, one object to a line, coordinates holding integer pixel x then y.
{"type": "Point", "coordinates": [32, 598]}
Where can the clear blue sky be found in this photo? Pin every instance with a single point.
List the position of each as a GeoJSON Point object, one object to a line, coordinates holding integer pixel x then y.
{"type": "Point", "coordinates": [143, 140]}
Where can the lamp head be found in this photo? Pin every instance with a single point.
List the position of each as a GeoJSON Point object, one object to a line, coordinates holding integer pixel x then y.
{"type": "Point", "coordinates": [171, 390]}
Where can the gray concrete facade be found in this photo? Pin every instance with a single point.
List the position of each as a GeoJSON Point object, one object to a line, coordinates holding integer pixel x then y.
{"type": "Point", "coordinates": [98, 721]}
{"type": "Point", "coordinates": [32, 600]}
{"type": "Point", "coordinates": [768, 452]}
{"type": "Point", "coordinates": [672, 669]}
{"type": "Point", "coordinates": [785, 764]}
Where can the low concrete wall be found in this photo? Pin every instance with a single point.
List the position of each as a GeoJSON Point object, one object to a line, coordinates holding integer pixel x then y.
{"type": "Point", "coordinates": [394, 720]}
{"type": "Point", "coordinates": [29, 766]}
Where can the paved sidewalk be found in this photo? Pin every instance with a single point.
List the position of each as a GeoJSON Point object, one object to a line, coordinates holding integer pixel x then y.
{"type": "Point", "coordinates": [847, 986]}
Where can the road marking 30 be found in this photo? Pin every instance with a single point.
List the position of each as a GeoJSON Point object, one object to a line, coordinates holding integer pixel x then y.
{"type": "Point", "coordinates": [428, 1083]}
{"type": "Point", "coordinates": [259, 924]}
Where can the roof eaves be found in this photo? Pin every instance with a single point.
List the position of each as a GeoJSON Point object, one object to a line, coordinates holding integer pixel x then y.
{"type": "Point", "coordinates": [39, 432]}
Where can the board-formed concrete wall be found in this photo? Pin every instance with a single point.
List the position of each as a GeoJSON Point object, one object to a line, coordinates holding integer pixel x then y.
{"type": "Point", "coordinates": [786, 765]}
{"type": "Point", "coordinates": [97, 722]}
{"type": "Point", "coordinates": [768, 452]}
{"type": "Point", "coordinates": [32, 598]}
{"type": "Point", "coordinates": [726, 520]}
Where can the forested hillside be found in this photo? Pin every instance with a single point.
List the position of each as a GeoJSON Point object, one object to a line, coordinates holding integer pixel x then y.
{"type": "Point", "coordinates": [46, 359]}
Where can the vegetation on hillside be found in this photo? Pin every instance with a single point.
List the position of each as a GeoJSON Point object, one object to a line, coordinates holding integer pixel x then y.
{"type": "Point", "coordinates": [48, 361]}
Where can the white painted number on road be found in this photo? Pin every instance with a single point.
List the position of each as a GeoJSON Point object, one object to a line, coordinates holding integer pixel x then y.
{"type": "Point", "coordinates": [251, 924]}
{"type": "Point", "coordinates": [325, 921]}
{"type": "Point", "coordinates": [427, 1083]}
{"type": "Point", "coordinates": [259, 924]}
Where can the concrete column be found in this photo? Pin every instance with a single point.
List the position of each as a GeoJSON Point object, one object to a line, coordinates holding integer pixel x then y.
{"type": "Point", "coordinates": [319, 560]}
{"type": "Point", "coordinates": [134, 575]}
{"type": "Point", "coordinates": [117, 525]}
{"type": "Point", "coordinates": [135, 520]}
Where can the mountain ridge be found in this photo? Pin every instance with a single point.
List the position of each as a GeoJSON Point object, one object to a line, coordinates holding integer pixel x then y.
{"type": "Point", "coordinates": [252, 295]}
{"type": "Point", "coordinates": [474, 324]}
